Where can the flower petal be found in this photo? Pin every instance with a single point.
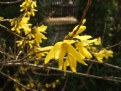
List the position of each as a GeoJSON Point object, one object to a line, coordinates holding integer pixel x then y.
{"type": "Point", "coordinates": [72, 51]}
{"type": "Point", "coordinates": [61, 55]}
{"type": "Point", "coordinates": [72, 62]}
{"type": "Point", "coordinates": [84, 37]}
{"type": "Point", "coordinates": [80, 30]}
{"type": "Point", "coordinates": [49, 56]}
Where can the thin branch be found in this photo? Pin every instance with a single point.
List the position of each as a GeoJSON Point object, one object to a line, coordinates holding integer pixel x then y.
{"type": "Point", "coordinates": [15, 81]}
{"type": "Point", "coordinates": [10, 2]}
{"type": "Point", "coordinates": [89, 68]}
{"type": "Point", "coordinates": [43, 74]}
{"type": "Point", "coordinates": [55, 38]}
{"type": "Point", "coordinates": [104, 30]}
{"type": "Point", "coordinates": [12, 62]}
{"type": "Point", "coordinates": [64, 87]}
{"type": "Point", "coordinates": [8, 30]}
{"type": "Point", "coordinates": [68, 72]}
{"type": "Point", "coordinates": [6, 20]}
{"type": "Point", "coordinates": [80, 23]}
{"type": "Point", "coordinates": [4, 57]}
{"type": "Point", "coordinates": [6, 54]}
{"type": "Point", "coordinates": [119, 43]}
{"type": "Point", "coordinates": [20, 52]}
{"type": "Point", "coordinates": [106, 64]}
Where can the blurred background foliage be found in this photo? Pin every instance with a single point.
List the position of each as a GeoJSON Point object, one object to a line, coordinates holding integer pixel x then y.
{"type": "Point", "coordinates": [103, 19]}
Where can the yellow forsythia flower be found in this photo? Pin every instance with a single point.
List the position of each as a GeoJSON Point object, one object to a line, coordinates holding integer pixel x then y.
{"type": "Point", "coordinates": [21, 25]}
{"type": "Point", "coordinates": [87, 40]}
{"type": "Point", "coordinates": [107, 53]}
{"type": "Point", "coordinates": [80, 30]}
{"type": "Point", "coordinates": [62, 49]}
{"type": "Point", "coordinates": [38, 34]}
{"type": "Point", "coordinates": [35, 51]}
{"type": "Point", "coordinates": [83, 38]}
{"type": "Point", "coordinates": [83, 50]}
{"type": "Point", "coordinates": [1, 18]}
{"type": "Point", "coordinates": [70, 61]}
{"type": "Point", "coordinates": [99, 56]}
{"type": "Point", "coordinates": [98, 42]}
{"type": "Point", "coordinates": [28, 6]}
{"type": "Point", "coordinates": [103, 54]}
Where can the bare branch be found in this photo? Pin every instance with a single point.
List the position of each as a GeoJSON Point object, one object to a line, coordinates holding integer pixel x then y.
{"type": "Point", "coordinates": [10, 2]}
{"type": "Point", "coordinates": [106, 64]}
{"type": "Point", "coordinates": [80, 23]}
{"type": "Point", "coordinates": [8, 30]}
{"type": "Point", "coordinates": [48, 74]}
{"type": "Point", "coordinates": [68, 72]}
{"type": "Point", "coordinates": [64, 87]}
{"type": "Point", "coordinates": [89, 68]}
{"type": "Point", "coordinates": [119, 43]}
{"type": "Point", "coordinates": [16, 81]}
{"type": "Point", "coordinates": [6, 54]}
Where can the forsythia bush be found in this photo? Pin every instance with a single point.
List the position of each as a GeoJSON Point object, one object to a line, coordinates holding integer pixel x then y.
{"type": "Point", "coordinates": [73, 49]}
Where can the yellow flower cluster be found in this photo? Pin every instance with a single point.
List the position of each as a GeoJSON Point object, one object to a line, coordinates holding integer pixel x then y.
{"type": "Point", "coordinates": [62, 49]}
{"type": "Point", "coordinates": [69, 52]}
{"type": "Point", "coordinates": [31, 36]}
{"type": "Point", "coordinates": [28, 6]}
{"type": "Point", "coordinates": [38, 36]}
{"type": "Point", "coordinates": [73, 49]}
{"type": "Point", "coordinates": [21, 24]}
{"type": "Point", "coordinates": [103, 54]}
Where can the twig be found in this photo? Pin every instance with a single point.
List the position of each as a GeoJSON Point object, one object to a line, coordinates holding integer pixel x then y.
{"type": "Point", "coordinates": [107, 64]}
{"type": "Point", "coordinates": [103, 35]}
{"type": "Point", "coordinates": [119, 43]}
{"type": "Point", "coordinates": [11, 2]}
{"type": "Point", "coordinates": [8, 30]}
{"type": "Point", "coordinates": [12, 62]}
{"type": "Point", "coordinates": [20, 52]}
{"type": "Point", "coordinates": [55, 38]}
{"type": "Point", "coordinates": [63, 89]}
{"type": "Point", "coordinates": [89, 68]}
{"type": "Point", "coordinates": [42, 74]}
{"type": "Point", "coordinates": [69, 72]}
{"type": "Point", "coordinates": [80, 23]}
{"type": "Point", "coordinates": [6, 54]}
{"type": "Point", "coordinates": [4, 58]}
{"type": "Point", "coordinates": [6, 20]}
{"type": "Point", "coordinates": [15, 81]}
